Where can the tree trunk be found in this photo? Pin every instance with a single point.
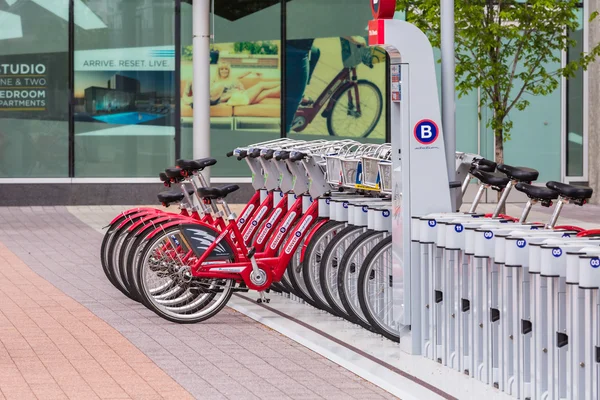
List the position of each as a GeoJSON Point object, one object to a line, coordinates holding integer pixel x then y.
{"type": "Point", "coordinates": [499, 157]}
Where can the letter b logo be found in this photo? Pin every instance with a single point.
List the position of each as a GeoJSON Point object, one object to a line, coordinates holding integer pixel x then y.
{"type": "Point", "coordinates": [426, 131]}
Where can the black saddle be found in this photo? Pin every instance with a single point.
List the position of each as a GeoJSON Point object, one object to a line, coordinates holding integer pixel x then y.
{"type": "Point", "coordinates": [482, 164]}
{"type": "Point", "coordinates": [217, 193]}
{"type": "Point", "coordinates": [491, 178]}
{"type": "Point", "coordinates": [537, 192]}
{"type": "Point", "coordinates": [172, 196]}
{"type": "Point", "coordinates": [175, 173]}
{"type": "Point", "coordinates": [196, 165]}
{"type": "Point", "coordinates": [571, 191]}
{"type": "Point", "coordinates": [521, 174]}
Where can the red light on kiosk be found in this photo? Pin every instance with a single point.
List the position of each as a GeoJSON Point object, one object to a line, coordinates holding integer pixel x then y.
{"type": "Point", "coordinates": [383, 9]}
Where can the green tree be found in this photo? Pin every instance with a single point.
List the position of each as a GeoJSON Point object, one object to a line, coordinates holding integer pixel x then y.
{"type": "Point", "coordinates": [504, 47]}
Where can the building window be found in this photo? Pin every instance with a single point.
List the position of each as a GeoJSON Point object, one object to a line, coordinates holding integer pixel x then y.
{"type": "Point", "coordinates": [335, 83]}
{"type": "Point", "coordinates": [245, 68]}
{"type": "Point", "coordinates": [34, 89]}
{"type": "Point", "coordinates": [124, 69]}
{"type": "Point", "coordinates": [574, 137]}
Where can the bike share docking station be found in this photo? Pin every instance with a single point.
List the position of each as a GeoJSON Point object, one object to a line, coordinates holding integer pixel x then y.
{"type": "Point", "coordinates": [420, 181]}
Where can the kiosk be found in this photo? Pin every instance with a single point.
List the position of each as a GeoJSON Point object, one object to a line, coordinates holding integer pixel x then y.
{"type": "Point", "coordinates": [420, 179]}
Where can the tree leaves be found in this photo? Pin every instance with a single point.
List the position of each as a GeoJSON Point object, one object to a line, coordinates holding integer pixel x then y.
{"type": "Point", "coordinates": [504, 48]}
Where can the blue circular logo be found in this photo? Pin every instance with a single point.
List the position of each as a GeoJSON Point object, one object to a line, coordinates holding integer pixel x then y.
{"type": "Point", "coordinates": [298, 234]}
{"type": "Point", "coordinates": [432, 223]}
{"type": "Point", "coordinates": [310, 198]}
{"type": "Point", "coordinates": [521, 243]}
{"type": "Point", "coordinates": [386, 213]}
{"type": "Point", "coordinates": [280, 194]}
{"type": "Point", "coordinates": [488, 235]}
{"type": "Point", "coordinates": [269, 225]}
{"type": "Point", "coordinates": [327, 201]}
{"type": "Point", "coordinates": [595, 262]}
{"type": "Point", "coordinates": [534, 227]}
{"type": "Point", "coordinates": [282, 230]}
{"type": "Point", "coordinates": [345, 204]}
{"type": "Point", "coordinates": [566, 235]}
{"type": "Point", "coordinates": [458, 228]}
{"type": "Point", "coordinates": [556, 252]}
{"type": "Point", "coordinates": [242, 220]}
{"type": "Point", "coordinates": [365, 209]}
{"type": "Point", "coordinates": [254, 223]}
{"type": "Point", "coordinates": [426, 131]}
{"type": "Point", "coordinates": [295, 196]}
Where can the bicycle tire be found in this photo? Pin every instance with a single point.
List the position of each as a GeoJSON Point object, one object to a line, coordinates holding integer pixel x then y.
{"type": "Point", "coordinates": [330, 267]}
{"type": "Point", "coordinates": [149, 301]}
{"type": "Point", "coordinates": [113, 254]}
{"type": "Point", "coordinates": [341, 92]}
{"type": "Point", "coordinates": [127, 246]}
{"type": "Point", "coordinates": [344, 290]}
{"type": "Point", "coordinates": [365, 272]}
{"type": "Point", "coordinates": [312, 262]}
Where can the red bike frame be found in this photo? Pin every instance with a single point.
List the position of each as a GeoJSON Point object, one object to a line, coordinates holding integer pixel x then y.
{"type": "Point", "coordinates": [346, 77]}
{"type": "Point", "coordinates": [273, 265]}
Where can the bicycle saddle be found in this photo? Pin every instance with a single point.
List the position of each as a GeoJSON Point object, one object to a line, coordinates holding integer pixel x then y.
{"type": "Point", "coordinates": [491, 178]}
{"type": "Point", "coordinates": [521, 174]}
{"type": "Point", "coordinates": [172, 196]}
{"type": "Point", "coordinates": [536, 192]}
{"type": "Point", "coordinates": [217, 193]}
{"type": "Point", "coordinates": [196, 165]}
{"type": "Point", "coordinates": [163, 177]}
{"type": "Point", "coordinates": [174, 173]}
{"type": "Point", "coordinates": [571, 191]}
{"type": "Point", "coordinates": [482, 164]}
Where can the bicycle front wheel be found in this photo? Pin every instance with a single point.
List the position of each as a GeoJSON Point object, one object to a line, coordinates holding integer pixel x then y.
{"type": "Point", "coordinates": [356, 110]}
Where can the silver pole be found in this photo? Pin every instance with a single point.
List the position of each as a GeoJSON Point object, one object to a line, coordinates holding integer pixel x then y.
{"type": "Point", "coordinates": [201, 84]}
{"type": "Point", "coordinates": [448, 88]}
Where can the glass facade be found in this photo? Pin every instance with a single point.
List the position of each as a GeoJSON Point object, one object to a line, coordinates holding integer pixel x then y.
{"type": "Point", "coordinates": [34, 89]}
{"type": "Point", "coordinates": [103, 88]}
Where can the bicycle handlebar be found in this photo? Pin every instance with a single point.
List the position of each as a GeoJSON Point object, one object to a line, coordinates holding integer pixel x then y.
{"type": "Point", "coordinates": [269, 154]}
{"type": "Point", "coordinates": [282, 155]}
{"type": "Point", "coordinates": [297, 156]}
{"type": "Point", "coordinates": [230, 154]}
{"type": "Point", "coordinates": [254, 153]}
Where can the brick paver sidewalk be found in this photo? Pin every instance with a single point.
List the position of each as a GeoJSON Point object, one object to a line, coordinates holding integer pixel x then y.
{"type": "Point", "coordinates": [51, 347]}
{"type": "Point", "coordinates": [66, 332]}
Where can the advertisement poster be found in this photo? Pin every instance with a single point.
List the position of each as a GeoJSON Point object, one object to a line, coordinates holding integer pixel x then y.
{"type": "Point", "coordinates": [245, 86]}
{"type": "Point", "coordinates": [34, 86]}
{"type": "Point", "coordinates": [133, 86]}
{"type": "Point", "coordinates": [343, 94]}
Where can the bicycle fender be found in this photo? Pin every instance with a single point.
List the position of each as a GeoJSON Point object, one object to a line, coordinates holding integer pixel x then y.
{"type": "Point", "coordinates": [310, 235]}
{"type": "Point", "coordinates": [161, 228]}
{"type": "Point", "coordinates": [129, 217]}
{"type": "Point", "coordinates": [130, 211]}
{"type": "Point", "coordinates": [154, 219]}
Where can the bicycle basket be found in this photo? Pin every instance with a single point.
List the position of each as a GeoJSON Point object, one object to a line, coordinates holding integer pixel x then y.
{"type": "Point", "coordinates": [333, 166]}
{"type": "Point", "coordinates": [370, 172]}
{"type": "Point", "coordinates": [385, 173]}
{"type": "Point", "coordinates": [350, 172]}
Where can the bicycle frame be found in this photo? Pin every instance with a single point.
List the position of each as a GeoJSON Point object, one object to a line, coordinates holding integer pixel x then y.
{"type": "Point", "coordinates": [346, 77]}
{"type": "Point", "coordinates": [241, 268]}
